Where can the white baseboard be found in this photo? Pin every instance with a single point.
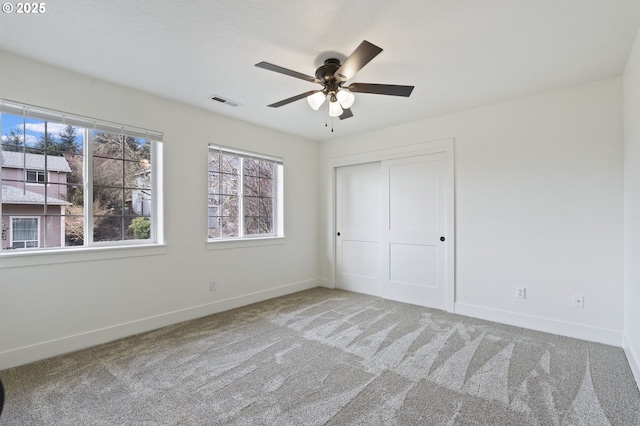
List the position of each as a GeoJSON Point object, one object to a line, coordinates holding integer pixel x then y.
{"type": "Point", "coordinates": [38, 351]}
{"type": "Point", "coordinates": [632, 358]}
{"type": "Point", "coordinates": [578, 331]}
{"type": "Point", "coordinates": [323, 282]}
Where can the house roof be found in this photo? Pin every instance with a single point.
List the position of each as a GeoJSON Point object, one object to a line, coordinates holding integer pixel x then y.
{"type": "Point", "coordinates": [19, 160]}
{"type": "Point", "coordinates": [13, 195]}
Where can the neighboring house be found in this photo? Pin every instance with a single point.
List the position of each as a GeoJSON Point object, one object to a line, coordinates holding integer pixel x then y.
{"type": "Point", "coordinates": [141, 198]}
{"type": "Point", "coordinates": [25, 184]}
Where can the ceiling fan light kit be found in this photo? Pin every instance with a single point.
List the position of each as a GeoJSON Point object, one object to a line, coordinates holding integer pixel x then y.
{"type": "Point", "coordinates": [332, 75]}
{"type": "Point", "coordinates": [335, 110]}
{"type": "Point", "coordinates": [345, 98]}
{"type": "Point", "coordinates": [316, 100]}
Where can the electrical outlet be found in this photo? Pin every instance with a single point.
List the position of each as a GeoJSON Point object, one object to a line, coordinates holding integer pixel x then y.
{"type": "Point", "coordinates": [578, 301]}
{"type": "Point", "coordinates": [212, 285]}
{"type": "Point", "coordinates": [521, 293]}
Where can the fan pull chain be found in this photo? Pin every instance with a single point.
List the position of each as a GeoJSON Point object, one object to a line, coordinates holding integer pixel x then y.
{"type": "Point", "coordinates": [326, 123]}
{"type": "Point", "coordinates": [325, 117]}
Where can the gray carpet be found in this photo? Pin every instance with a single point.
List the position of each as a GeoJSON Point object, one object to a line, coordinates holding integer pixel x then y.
{"type": "Point", "coordinates": [329, 357]}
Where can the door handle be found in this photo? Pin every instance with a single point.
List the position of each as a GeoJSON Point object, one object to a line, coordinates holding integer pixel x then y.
{"type": "Point", "coordinates": [338, 234]}
{"type": "Point", "coordinates": [442, 238]}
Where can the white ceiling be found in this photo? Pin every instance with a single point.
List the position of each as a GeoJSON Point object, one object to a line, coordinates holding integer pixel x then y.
{"type": "Point", "coordinates": [458, 53]}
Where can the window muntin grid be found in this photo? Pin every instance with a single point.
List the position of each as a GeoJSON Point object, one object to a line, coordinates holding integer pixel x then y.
{"type": "Point", "coordinates": [60, 178]}
{"type": "Point", "coordinates": [243, 196]}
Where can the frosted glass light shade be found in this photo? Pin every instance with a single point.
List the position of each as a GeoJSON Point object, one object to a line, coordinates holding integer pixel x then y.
{"type": "Point", "coordinates": [335, 110]}
{"type": "Point", "coordinates": [345, 98]}
{"type": "Point", "coordinates": [316, 100]}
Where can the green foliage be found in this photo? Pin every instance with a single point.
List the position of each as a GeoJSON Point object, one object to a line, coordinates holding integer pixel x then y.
{"type": "Point", "coordinates": [141, 228]}
{"type": "Point", "coordinates": [67, 140]}
{"type": "Point", "coordinates": [47, 143]}
{"type": "Point", "coordinates": [5, 230]}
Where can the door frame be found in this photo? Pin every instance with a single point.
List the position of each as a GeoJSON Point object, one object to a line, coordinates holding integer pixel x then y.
{"type": "Point", "coordinates": [441, 145]}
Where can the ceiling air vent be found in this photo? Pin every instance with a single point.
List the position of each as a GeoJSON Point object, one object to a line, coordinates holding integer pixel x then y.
{"type": "Point", "coordinates": [224, 100]}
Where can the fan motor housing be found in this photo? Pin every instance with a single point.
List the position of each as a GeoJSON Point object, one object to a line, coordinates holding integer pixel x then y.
{"type": "Point", "coordinates": [326, 73]}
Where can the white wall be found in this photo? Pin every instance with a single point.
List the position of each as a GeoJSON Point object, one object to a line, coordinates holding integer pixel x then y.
{"type": "Point", "coordinates": [632, 208]}
{"type": "Point", "coordinates": [49, 309]}
{"type": "Point", "coordinates": [539, 204]}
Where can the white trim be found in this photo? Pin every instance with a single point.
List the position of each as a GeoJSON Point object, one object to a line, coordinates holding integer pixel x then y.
{"type": "Point", "coordinates": [63, 226]}
{"type": "Point", "coordinates": [38, 351]}
{"type": "Point", "coordinates": [278, 206]}
{"type": "Point", "coordinates": [323, 282]}
{"type": "Point", "coordinates": [247, 154]}
{"type": "Point", "coordinates": [32, 111]}
{"type": "Point", "coordinates": [440, 145]}
{"type": "Point", "coordinates": [89, 129]}
{"type": "Point", "coordinates": [632, 358]}
{"type": "Point", "coordinates": [23, 258]}
{"type": "Point", "coordinates": [546, 325]}
{"type": "Point", "coordinates": [277, 210]}
{"type": "Point", "coordinates": [36, 183]}
{"type": "Point", "coordinates": [157, 188]}
{"type": "Point", "coordinates": [241, 199]}
{"type": "Point", "coordinates": [87, 184]}
{"type": "Point", "coordinates": [224, 244]}
{"type": "Point", "coordinates": [451, 228]}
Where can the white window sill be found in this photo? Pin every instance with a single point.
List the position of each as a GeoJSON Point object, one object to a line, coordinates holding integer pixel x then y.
{"type": "Point", "coordinates": [22, 258]}
{"type": "Point", "coordinates": [244, 242]}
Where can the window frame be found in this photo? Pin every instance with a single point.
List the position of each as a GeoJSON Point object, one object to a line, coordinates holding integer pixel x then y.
{"type": "Point", "coordinates": [46, 177]}
{"type": "Point", "coordinates": [243, 239]}
{"type": "Point", "coordinates": [12, 240]}
{"type": "Point", "coordinates": [90, 249]}
{"type": "Point", "coordinates": [88, 196]}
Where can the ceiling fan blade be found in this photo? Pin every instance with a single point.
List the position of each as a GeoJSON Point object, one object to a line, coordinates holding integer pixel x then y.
{"type": "Point", "coordinates": [347, 113]}
{"type": "Point", "coordinates": [381, 89]}
{"type": "Point", "coordinates": [286, 71]}
{"type": "Point", "coordinates": [293, 99]}
{"type": "Point", "coordinates": [358, 59]}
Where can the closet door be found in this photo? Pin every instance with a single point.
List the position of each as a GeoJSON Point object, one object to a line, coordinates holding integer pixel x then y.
{"type": "Point", "coordinates": [391, 229]}
{"type": "Point", "coordinates": [358, 228]}
{"type": "Point", "coordinates": [413, 227]}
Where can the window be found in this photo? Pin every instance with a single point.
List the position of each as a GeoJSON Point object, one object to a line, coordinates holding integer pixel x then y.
{"type": "Point", "coordinates": [35, 176]}
{"type": "Point", "coordinates": [245, 195]}
{"type": "Point", "coordinates": [25, 232]}
{"type": "Point", "coordinates": [70, 181]}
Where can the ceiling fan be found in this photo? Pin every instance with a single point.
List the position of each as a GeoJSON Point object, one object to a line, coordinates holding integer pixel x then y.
{"type": "Point", "coordinates": [332, 75]}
